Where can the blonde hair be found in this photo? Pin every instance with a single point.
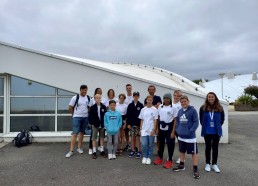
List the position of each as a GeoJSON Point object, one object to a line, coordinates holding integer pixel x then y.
{"type": "Point", "coordinates": [184, 97]}
{"type": "Point", "coordinates": [97, 95]}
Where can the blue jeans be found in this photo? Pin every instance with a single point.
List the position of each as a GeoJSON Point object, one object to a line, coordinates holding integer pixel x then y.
{"type": "Point", "coordinates": [79, 124]}
{"type": "Point", "coordinates": [147, 145]}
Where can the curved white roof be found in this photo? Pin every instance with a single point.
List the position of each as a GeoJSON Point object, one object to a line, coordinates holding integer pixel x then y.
{"type": "Point", "coordinates": [232, 87]}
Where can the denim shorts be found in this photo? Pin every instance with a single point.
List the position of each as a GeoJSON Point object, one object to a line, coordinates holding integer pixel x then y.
{"type": "Point", "coordinates": [79, 124]}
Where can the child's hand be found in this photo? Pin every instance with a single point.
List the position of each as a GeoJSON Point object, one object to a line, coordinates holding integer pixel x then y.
{"type": "Point", "coordinates": [152, 133]}
{"type": "Point", "coordinates": [129, 127]}
{"type": "Point", "coordinates": [172, 135]}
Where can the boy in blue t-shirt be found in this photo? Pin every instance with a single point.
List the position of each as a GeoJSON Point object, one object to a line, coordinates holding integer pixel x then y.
{"type": "Point", "coordinates": [112, 123]}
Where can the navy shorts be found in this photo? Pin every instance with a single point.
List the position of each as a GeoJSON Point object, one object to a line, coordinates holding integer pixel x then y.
{"type": "Point", "coordinates": [79, 124]}
{"type": "Point", "coordinates": [190, 148]}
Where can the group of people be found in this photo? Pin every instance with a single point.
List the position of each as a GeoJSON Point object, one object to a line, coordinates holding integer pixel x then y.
{"type": "Point", "coordinates": [167, 119]}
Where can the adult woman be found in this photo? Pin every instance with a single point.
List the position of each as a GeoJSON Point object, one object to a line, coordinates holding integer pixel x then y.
{"type": "Point", "coordinates": [211, 118]}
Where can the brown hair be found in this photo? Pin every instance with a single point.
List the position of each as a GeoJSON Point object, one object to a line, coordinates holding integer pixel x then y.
{"type": "Point", "coordinates": [184, 97]}
{"type": "Point", "coordinates": [123, 95]}
{"type": "Point", "coordinates": [151, 86]}
{"type": "Point", "coordinates": [215, 107]}
{"type": "Point", "coordinates": [110, 91]}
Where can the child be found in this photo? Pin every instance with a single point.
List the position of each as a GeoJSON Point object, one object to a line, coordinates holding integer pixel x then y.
{"type": "Point", "coordinates": [133, 111]}
{"type": "Point", "coordinates": [112, 122]}
{"type": "Point", "coordinates": [122, 108]}
{"type": "Point", "coordinates": [186, 125]}
{"type": "Point", "coordinates": [96, 118]}
{"type": "Point", "coordinates": [167, 125]}
{"type": "Point", "coordinates": [211, 118]}
{"type": "Point", "coordinates": [148, 127]}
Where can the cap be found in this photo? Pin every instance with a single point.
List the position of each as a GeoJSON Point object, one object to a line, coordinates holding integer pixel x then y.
{"type": "Point", "coordinates": [167, 95]}
{"type": "Point", "coordinates": [136, 93]}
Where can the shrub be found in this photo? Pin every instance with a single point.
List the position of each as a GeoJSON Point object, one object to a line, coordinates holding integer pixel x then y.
{"type": "Point", "coordinates": [244, 99]}
{"type": "Point", "coordinates": [252, 90]}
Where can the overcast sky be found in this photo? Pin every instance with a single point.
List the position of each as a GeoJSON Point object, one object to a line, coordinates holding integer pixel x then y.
{"type": "Point", "coordinates": [194, 38]}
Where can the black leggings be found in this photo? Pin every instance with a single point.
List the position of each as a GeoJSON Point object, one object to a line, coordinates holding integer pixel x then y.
{"type": "Point", "coordinates": [211, 142]}
{"type": "Point", "coordinates": [166, 135]}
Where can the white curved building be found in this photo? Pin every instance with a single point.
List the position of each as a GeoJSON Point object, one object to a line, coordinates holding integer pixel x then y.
{"type": "Point", "coordinates": [35, 89]}
{"type": "Point", "coordinates": [233, 86]}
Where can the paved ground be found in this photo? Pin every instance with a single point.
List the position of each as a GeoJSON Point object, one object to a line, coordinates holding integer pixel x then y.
{"type": "Point", "coordinates": [45, 163]}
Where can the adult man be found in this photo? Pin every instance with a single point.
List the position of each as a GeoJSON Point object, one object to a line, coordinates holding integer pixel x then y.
{"type": "Point", "coordinates": [129, 95]}
{"type": "Point", "coordinates": [156, 99]}
{"type": "Point", "coordinates": [78, 107]}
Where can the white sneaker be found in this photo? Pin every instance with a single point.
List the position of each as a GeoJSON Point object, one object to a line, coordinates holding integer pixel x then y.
{"type": "Point", "coordinates": [110, 156]}
{"type": "Point", "coordinates": [208, 167]}
{"type": "Point", "coordinates": [178, 161]}
{"type": "Point", "coordinates": [90, 151]}
{"type": "Point", "coordinates": [69, 154]}
{"type": "Point", "coordinates": [144, 160]}
{"type": "Point", "coordinates": [148, 161]}
{"type": "Point", "coordinates": [113, 156]}
{"type": "Point", "coordinates": [216, 168]}
{"type": "Point", "coordinates": [80, 150]}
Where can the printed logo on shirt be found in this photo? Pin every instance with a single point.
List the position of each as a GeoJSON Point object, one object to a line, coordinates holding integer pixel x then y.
{"type": "Point", "coordinates": [169, 113]}
{"type": "Point", "coordinates": [152, 114]}
{"type": "Point", "coordinates": [112, 117]}
{"type": "Point", "coordinates": [183, 119]}
{"type": "Point", "coordinates": [102, 110]}
{"type": "Point", "coordinates": [138, 108]}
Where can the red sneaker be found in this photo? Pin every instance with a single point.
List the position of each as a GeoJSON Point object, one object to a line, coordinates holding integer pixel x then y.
{"type": "Point", "coordinates": [168, 165]}
{"type": "Point", "coordinates": [158, 161]}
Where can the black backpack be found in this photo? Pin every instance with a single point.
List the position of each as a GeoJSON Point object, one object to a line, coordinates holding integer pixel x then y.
{"type": "Point", "coordinates": [22, 139]}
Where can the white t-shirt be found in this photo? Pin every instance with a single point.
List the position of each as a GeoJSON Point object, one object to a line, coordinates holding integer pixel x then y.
{"type": "Point", "coordinates": [148, 115]}
{"type": "Point", "coordinates": [167, 113]}
{"type": "Point", "coordinates": [122, 108]}
{"type": "Point", "coordinates": [107, 101]}
{"type": "Point", "coordinates": [177, 105]}
{"type": "Point", "coordinates": [128, 99]}
{"type": "Point", "coordinates": [81, 109]}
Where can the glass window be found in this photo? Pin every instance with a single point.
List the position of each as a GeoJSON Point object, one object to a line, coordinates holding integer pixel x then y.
{"type": "Point", "coordinates": [23, 87]}
{"type": "Point", "coordinates": [1, 86]}
{"type": "Point", "coordinates": [64, 123]}
{"type": "Point", "coordinates": [45, 123]}
{"type": "Point", "coordinates": [1, 124]}
{"type": "Point", "coordinates": [1, 105]}
{"type": "Point", "coordinates": [63, 105]}
{"type": "Point", "coordinates": [32, 105]}
{"type": "Point", "coordinates": [61, 92]}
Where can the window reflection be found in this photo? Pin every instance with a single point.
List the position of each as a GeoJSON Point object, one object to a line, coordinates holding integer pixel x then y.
{"type": "Point", "coordinates": [45, 123]}
{"type": "Point", "coordinates": [1, 124]}
{"type": "Point", "coordinates": [32, 105]}
{"type": "Point", "coordinates": [61, 92]}
{"type": "Point", "coordinates": [1, 86]}
{"type": "Point", "coordinates": [62, 105]}
{"type": "Point", "coordinates": [23, 87]}
{"type": "Point", "coordinates": [1, 105]}
{"type": "Point", "coordinates": [64, 123]}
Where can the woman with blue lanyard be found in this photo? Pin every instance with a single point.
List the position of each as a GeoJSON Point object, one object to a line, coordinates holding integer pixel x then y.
{"type": "Point", "coordinates": [211, 118]}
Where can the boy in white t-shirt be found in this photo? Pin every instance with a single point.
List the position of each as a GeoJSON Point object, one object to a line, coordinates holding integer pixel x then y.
{"type": "Point", "coordinates": [148, 127]}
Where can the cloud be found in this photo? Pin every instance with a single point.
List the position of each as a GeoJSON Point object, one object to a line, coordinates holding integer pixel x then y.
{"type": "Point", "coordinates": [193, 38]}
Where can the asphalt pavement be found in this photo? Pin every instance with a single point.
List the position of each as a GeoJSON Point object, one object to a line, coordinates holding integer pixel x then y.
{"type": "Point", "coordinates": [45, 163]}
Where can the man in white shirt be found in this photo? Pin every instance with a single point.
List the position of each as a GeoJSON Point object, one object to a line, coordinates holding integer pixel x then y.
{"type": "Point", "coordinates": [78, 107]}
{"type": "Point", "coordinates": [128, 100]}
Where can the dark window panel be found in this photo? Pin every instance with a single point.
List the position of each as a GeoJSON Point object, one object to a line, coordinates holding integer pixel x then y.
{"type": "Point", "coordinates": [1, 105]}
{"type": "Point", "coordinates": [1, 124]}
{"type": "Point", "coordinates": [1, 86]}
{"type": "Point", "coordinates": [61, 92]}
{"type": "Point", "coordinates": [32, 105]}
{"type": "Point", "coordinates": [45, 123]}
{"type": "Point", "coordinates": [64, 123]}
{"type": "Point", "coordinates": [23, 87]}
{"type": "Point", "coordinates": [63, 105]}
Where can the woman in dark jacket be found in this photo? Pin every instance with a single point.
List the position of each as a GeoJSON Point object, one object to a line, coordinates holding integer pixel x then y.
{"type": "Point", "coordinates": [211, 118]}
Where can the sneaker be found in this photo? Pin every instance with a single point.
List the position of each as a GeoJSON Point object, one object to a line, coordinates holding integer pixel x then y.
{"type": "Point", "coordinates": [94, 155]}
{"type": "Point", "coordinates": [144, 160]}
{"type": "Point", "coordinates": [178, 161]}
{"type": "Point", "coordinates": [110, 156]}
{"type": "Point", "coordinates": [139, 155]}
{"type": "Point", "coordinates": [215, 168]}
{"type": "Point", "coordinates": [102, 153]}
{"type": "Point", "coordinates": [158, 161]}
{"type": "Point", "coordinates": [80, 151]}
{"type": "Point", "coordinates": [208, 167]}
{"type": "Point", "coordinates": [127, 147]}
{"type": "Point", "coordinates": [131, 154]}
{"type": "Point", "coordinates": [148, 161]}
{"type": "Point", "coordinates": [196, 174]}
{"type": "Point", "coordinates": [69, 154]}
{"type": "Point", "coordinates": [113, 156]}
{"type": "Point", "coordinates": [179, 168]}
{"type": "Point", "coordinates": [90, 151]}
{"type": "Point", "coordinates": [168, 164]}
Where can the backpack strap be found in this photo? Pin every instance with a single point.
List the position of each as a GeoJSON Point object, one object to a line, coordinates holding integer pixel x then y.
{"type": "Point", "coordinates": [76, 101]}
